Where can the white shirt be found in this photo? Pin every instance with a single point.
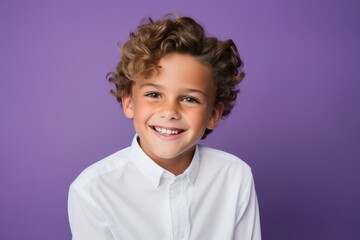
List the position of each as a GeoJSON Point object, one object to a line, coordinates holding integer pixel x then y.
{"type": "Point", "coordinates": [128, 196]}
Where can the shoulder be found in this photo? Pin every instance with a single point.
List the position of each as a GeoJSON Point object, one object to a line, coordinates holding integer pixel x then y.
{"type": "Point", "coordinates": [212, 158]}
{"type": "Point", "coordinates": [221, 157]}
{"type": "Point", "coordinates": [103, 167]}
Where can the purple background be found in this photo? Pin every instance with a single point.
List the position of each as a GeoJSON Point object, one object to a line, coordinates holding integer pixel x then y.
{"type": "Point", "coordinates": [296, 122]}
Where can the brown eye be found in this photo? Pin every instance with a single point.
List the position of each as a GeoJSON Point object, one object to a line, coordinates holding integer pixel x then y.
{"type": "Point", "coordinates": [190, 100]}
{"type": "Point", "coordinates": [152, 95]}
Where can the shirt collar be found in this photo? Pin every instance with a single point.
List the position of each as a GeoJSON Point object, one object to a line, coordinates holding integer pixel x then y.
{"type": "Point", "coordinates": [154, 172]}
{"type": "Point", "coordinates": [193, 169]}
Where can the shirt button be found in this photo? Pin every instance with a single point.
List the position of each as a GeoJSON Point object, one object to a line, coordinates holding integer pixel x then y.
{"type": "Point", "coordinates": [179, 235]}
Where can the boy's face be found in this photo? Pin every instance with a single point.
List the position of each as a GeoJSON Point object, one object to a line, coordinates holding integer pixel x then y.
{"type": "Point", "coordinates": [172, 108]}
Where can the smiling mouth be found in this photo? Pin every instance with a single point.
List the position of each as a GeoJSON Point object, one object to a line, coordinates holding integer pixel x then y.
{"type": "Point", "coordinates": [167, 131]}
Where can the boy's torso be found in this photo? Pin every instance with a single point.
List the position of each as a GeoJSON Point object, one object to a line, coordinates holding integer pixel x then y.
{"type": "Point", "coordinates": [142, 201]}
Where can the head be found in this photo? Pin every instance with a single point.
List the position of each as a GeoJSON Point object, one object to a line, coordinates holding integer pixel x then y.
{"type": "Point", "coordinates": [154, 40]}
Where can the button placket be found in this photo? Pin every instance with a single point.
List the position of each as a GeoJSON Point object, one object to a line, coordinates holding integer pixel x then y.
{"type": "Point", "coordinates": [178, 205]}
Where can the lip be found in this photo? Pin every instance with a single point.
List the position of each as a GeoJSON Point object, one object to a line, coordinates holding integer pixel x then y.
{"type": "Point", "coordinates": [167, 136]}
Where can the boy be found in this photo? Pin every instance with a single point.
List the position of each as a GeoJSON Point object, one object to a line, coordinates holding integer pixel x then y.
{"type": "Point", "coordinates": [175, 84]}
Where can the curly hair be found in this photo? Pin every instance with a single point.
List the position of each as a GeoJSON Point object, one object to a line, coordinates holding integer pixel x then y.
{"type": "Point", "coordinates": [155, 39]}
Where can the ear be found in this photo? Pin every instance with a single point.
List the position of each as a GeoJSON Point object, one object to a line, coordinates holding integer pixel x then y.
{"type": "Point", "coordinates": [127, 106]}
{"type": "Point", "coordinates": [215, 116]}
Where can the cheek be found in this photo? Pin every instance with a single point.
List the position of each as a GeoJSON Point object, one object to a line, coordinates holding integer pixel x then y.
{"type": "Point", "coordinates": [140, 105]}
{"type": "Point", "coordinates": [143, 111]}
{"type": "Point", "coordinates": [199, 118]}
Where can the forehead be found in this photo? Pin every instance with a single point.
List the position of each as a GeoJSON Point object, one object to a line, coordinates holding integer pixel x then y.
{"type": "Point", "coordinates": [181, 67]}
{"type": "Point", "coordinates": [183, 62]}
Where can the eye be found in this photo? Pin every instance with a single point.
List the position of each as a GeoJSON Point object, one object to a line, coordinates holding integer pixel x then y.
{"type": "Point", "coordinates": [190, 100]}
{"type": "Point", "coordinates": [152, 95]}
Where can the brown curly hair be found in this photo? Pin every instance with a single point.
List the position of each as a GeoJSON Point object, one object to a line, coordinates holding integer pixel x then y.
{"type": "Point", "coordinates": [154, 39]}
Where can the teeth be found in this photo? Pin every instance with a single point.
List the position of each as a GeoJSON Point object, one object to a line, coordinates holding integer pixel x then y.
{"type": "Point", "coordinates": [166, 131]}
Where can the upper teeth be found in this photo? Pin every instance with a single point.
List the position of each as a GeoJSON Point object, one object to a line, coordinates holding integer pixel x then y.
{"type": "Point", "coordinates": [166, 131]}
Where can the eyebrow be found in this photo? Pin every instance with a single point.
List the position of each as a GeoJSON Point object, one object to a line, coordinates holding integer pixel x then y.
{"type": "Point", "coordinates": [151, 85]}
{"type": "Point", "coordinates": [187, 90]}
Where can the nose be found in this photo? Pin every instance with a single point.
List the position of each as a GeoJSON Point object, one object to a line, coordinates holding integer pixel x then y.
{"type": "Point", "coordinates": [169, 110]}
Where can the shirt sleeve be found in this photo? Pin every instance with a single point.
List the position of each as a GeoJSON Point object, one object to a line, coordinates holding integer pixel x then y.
{"type": "Point", "coordinates": [87, 221]}
{"type": "Point", "coordinates": [248, 219]}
